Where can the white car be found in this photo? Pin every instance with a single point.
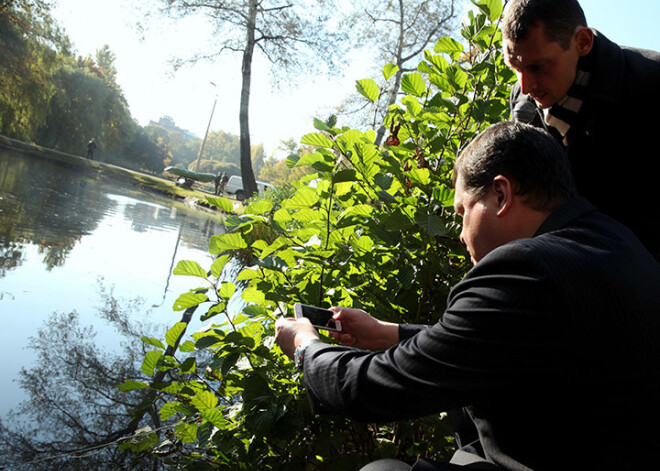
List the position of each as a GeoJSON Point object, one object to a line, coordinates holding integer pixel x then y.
{"type": "Point", "coordinates": [234, 186]}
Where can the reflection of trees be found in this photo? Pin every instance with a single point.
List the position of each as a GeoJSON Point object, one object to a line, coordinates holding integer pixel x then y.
{"type": "Point", "coordinates": [47, 205]}
{"type": "Point", "coordinates": [75, 413]}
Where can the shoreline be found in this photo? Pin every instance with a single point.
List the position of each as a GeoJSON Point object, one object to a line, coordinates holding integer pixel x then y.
{"type": "Point", "coordinates": [142, 180]}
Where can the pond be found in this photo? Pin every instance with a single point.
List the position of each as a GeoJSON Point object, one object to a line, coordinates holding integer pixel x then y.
{"type": "Point", "coordinates": [70, 241]}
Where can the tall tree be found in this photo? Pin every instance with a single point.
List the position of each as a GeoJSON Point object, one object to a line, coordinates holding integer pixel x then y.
{"type": "Point", "coordinates": [29, 43]}
{"type": "Point", "coordinates": [293, 36]}
{"type": "Point", "coordinates": [398, 32]}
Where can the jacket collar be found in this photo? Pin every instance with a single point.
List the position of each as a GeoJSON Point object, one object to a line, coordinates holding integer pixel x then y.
{"type": "Point", "coordinates": [564, 214]}
{"type": "Point", "coordinates": [606, 81]}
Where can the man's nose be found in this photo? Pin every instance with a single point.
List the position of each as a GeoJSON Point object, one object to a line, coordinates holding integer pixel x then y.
{"type": "Point", "coordinates": [527, 82]}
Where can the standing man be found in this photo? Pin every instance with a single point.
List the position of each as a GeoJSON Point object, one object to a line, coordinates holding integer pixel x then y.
{"type": "Point", "coordinates": [91, 148]}
{"type": "Point", "coordinates": [553, 334]}
{"type": "Point", "coordinates": [600, 100]}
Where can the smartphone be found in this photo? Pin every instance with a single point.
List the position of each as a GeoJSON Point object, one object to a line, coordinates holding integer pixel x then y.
{"type": "Point", "coordinates": [319, 317]}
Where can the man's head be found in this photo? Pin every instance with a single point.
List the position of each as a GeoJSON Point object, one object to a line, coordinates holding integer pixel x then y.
{"type": "Point", "coordinates": [543, 40]}
{"type": "Point", "coordinates": [507, 181]}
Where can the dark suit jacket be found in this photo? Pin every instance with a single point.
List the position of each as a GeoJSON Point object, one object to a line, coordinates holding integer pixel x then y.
{"type": "Point", "coordinates": [613, 149]}
{"type": "Point", "coordinates": [545, 338]}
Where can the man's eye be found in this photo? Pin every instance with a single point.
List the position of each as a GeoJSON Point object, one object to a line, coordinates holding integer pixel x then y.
{"type": "Point", "coordinates": [537, 68]}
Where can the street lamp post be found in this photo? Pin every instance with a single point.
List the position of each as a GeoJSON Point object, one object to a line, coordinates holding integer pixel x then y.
{"type": "Point", "coordinates": [201, 149]}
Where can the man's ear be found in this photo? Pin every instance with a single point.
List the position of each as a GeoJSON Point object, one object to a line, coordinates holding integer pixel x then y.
{"type": "Point", "coordinates": [504, 192]}
{"type": "Point", "coordinates": [584, 39]}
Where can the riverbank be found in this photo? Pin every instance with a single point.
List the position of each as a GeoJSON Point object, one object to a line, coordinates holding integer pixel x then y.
{"type": "Point", "coordinates": [140, 180]}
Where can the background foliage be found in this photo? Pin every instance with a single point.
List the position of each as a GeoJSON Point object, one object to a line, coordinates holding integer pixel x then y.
{"type": "Point", "coordinates": [371, 227]}
{"type": "Point", "coordinates": [52, 98]}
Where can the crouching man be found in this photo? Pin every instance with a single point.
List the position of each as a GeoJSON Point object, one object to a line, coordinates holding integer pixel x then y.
{"type": "Point", "coordinates": [553, 334]}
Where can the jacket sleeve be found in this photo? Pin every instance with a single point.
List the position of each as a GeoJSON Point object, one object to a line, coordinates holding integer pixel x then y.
{"type": "Point", "coordinates": [495, 333]}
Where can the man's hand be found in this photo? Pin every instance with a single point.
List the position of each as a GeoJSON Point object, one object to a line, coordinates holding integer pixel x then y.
{"type": "Point", "coordinates": [360, 330]}
{"type": "Point", "coordinates": [290, 333]}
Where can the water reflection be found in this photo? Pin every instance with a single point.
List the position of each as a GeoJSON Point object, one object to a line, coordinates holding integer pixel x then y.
{"type": "Point", "coordinates": [62, 233]}
{"type": "Point", "coordinates": [72, 389]}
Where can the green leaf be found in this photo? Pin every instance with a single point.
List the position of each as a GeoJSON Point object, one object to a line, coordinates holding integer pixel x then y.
{"type": "Point", "coordinates": [227, 290]}
{"type": "Point", "coordinates": [189, 365]}
{"type": "Point", "coordinates": [130, 385]}
{"type": "Point", "coordinates": [318, 161]}
{"type": "Point", "coordinates": [188, 300]}
{"type": "Point", "coordinates": [346, 175]}
{"type": "Point", "coordinates": [188, 268]}
{"type": "Point", "coordinates": [317, 139]}
{"type": "Point", "coordinates": [204, 400]}
{"type": "Point", "coordinates": [363, 244]}
{"type": "Point", "coordinates": [412, 105]}
{"type": "Point", "coordinates": [384, 181]}
{"type": "Point", "coordinates": [168, 410]}
{"type": "Point", "coordinates": [304, 198]}
{"type": "Point", "coordinates": [431, 223]}
{"type": "Point", "coordinates": [444, 195]}
{"type": "Point", "coordinates": [174, 333]}
{"type": "Point", "coordinates": [219, 264]}
{"type": "Point", "coordinates": [153, 341]}
{"type": "Point", "coordinates": [187, 433]}
{"type": "Point", "coordinates": [368, 89]}
{"type": "Point", "coordinates": [259, 207]}
{"type": "Point", "coordinates": [216, 417]}
{"type": "Point", "coordinates": [421, 176]}
{"type": "Point", "coordinates": [254, 310]}
{"type": "Point", "coordinates": [292, 160]}
{"type": "Point", "coordinates": [187, 347]}
{"type": "Point", "coordinates": [222, 242]}
{"type": "Point", "coordinates": [389, 70]}
{"type": "Point", "coordinates": [281, 217]}
{"type": "Point", "coordinates": [248, 274]}
{"type": "Point", "coordinates": [140, 442]}
{"type": "Point", "coordinates": [413, 84]}
{"type": "Point", "coordinates": [361, 210]}
{"type": "Point", "coordinates": [150, 361]}
{"type": "Point", "coordinates": [448, 45]}
{"type": "Point", "coordinates": [321, 126]}
{"type": "Point", "coordinates": [491, 8]}
{"type": "Point", "coordinates": [222, 203]}
{"type": "Point", "coordinates": [253, 295]}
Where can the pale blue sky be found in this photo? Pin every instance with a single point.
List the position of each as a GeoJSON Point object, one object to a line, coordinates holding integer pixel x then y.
{"type": "Point", "coordinates": [626, 22]}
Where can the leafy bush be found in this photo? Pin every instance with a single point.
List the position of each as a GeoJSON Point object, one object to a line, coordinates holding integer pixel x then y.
{"type": "Point", "coordinates": [372, 228]}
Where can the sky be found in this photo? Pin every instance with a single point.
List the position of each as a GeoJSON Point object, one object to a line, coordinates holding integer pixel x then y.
{"type": "Point", "coordinates": [153, 90]}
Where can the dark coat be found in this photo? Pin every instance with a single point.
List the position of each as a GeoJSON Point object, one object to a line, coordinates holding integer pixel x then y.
{"type": "Point", "coordinates": [612, 149]}
{"type": "Point", "coordinates": [545, 339]}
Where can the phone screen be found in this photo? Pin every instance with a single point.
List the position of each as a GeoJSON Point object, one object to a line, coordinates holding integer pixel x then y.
{"type": "Point", "coordinates": [319, 317]}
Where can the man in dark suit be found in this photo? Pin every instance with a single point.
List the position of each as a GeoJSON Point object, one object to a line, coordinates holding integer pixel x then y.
{"type": "Point", "coordinates": [554, 333]}
{"type": "Point", "coordinates": [600, 100]}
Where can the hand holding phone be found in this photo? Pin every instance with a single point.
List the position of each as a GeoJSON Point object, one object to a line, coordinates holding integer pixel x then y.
{"type": "Point", "coordinates": [319, 317]}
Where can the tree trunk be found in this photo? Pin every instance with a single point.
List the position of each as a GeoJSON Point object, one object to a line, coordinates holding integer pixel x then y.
{"type": "Point", "coordinates": [249, 183]}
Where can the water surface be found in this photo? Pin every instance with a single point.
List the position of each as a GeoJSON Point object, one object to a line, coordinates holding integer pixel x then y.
{"type": "Point", "coordinates": [66, 238]}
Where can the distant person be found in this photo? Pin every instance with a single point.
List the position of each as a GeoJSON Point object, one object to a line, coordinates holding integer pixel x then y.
{"type": "Point", "coordinates": [598, 99]}
{"type": "Point", "coordinates": [223, 182]}
{"type": "Point", "coordinates": [220, 182]}
{"type": "Point", "coordinates": [91, 148]}
{"type": "Point", "coordinates": [216, 180]}
{"type": "Point", "coordinates": [551, 341]}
